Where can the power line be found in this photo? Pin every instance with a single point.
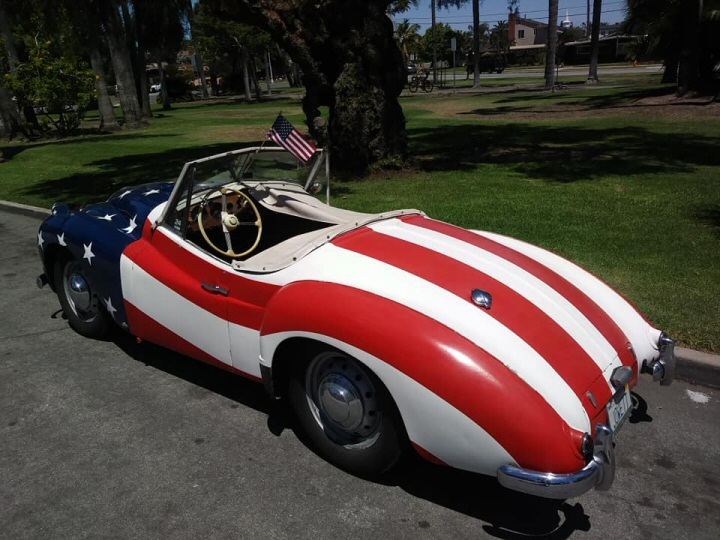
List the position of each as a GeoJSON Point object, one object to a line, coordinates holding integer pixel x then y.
{"type": "Point", "coordinates": [459, 19]}
{"type": "Point", "coordinates": [492, 17]}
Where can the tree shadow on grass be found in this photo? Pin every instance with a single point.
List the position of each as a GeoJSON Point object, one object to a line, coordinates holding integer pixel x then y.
{"type": "Point", "coordinates": [579, 97]}
{"type": "Point", "coordinates": [505, 514]}
{"type": "Point", "coordinates": [121, 171]}
{"type": "Point", "coordinates": [562, 153]}
{"type": "Point", "coordinates": [709, 215]}
{"type": "Point", "coordinates": [11, 150]}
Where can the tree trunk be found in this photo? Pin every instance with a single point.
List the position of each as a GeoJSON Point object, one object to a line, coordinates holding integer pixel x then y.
{"type": "Point", "coordinates": [246, 75]}
{"type": "Point", "coordinates": [10, 121]}
{"type": "Point", "coordinates": [688, 72]}
{"type": "Point", "coordinates": [595, 43]}
{"type": "Point", "coordinates": [122, 65]}
{"type": "Point", "coordinates": [551, 50]}
{"type": "Point", "coordinates": [8, 38]}
{"type": "Point", "coordinates": [476, 42]}
{"type": "Point", "coordinates": [143, 86]}
{"type": "Point", "coordinates": [108, 122]}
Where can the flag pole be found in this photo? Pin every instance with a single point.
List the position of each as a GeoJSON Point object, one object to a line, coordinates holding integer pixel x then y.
{"type": "Point", "coordinates": [327, 177]}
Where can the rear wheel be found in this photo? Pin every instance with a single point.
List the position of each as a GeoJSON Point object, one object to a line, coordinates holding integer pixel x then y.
{"type": "Point", "coordinates": [428, 86]}
{"type": "Point", "coordinates": [346, 413]}
{"type": "Point", "coordinates": [80, 304]}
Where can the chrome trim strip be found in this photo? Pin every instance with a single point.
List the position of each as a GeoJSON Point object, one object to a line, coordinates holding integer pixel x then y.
{"type": "Point", "coordinates": [598, 473]}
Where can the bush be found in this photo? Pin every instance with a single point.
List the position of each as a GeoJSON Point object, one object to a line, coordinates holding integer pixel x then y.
{"type": "Point", "coordinates": [57, 88]}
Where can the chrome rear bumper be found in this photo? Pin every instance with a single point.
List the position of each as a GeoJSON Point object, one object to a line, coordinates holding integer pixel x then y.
{"type": "Point", "coordinates": [663, 369]}
{"type": "Point", "coordinates": [599, 473]}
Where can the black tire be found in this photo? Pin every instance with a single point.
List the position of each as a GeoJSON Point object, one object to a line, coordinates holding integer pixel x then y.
{"type": "Point", "coordinates": [413, 85]}
{"type": "Point", "coordinates": [81, 306]}
{"type": "Point", "coordinates": [334, 385]}
{"type": "Point", "coordinates": [428, 86]}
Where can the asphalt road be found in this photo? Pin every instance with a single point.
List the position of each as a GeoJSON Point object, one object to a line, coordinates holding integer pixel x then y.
{"type": "Point", "coordinates": [119, 440]}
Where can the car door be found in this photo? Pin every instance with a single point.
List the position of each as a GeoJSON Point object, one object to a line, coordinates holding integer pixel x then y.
{"type": "Point", "coordinates": [175, 297]}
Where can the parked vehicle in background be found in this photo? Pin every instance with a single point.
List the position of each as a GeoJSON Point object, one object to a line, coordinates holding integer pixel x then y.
{"type": "Point", "coordinates": [489, 63]}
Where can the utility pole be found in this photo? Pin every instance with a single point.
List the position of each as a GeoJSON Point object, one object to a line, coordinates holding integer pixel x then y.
{"type": "Point", "coordinates": [587, 21]}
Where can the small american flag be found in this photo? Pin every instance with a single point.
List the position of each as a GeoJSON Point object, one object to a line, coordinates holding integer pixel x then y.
{"type": "Point", "coordinates": [283, 133]}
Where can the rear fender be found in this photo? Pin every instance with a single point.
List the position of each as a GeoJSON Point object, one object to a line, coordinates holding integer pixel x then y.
{"type": "Point", "coordinates": [458, 403]}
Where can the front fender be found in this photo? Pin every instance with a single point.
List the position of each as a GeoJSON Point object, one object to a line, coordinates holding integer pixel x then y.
{"type": "Point", "coordinates": [457, 402]}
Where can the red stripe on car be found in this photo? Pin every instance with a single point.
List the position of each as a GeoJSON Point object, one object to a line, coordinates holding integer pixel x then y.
{"type": "Point", "coordinates": [510, 308]}
{"type": "Point", "coordinates": [181, 270]}
{"type": "Point", "coordinates": [594, 313]}
{"type": "Point", "coordinates": [157, 333]}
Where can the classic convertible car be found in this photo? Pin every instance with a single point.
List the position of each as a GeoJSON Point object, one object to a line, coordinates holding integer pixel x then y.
{"type": "Point", "coordinates": [385, 332]}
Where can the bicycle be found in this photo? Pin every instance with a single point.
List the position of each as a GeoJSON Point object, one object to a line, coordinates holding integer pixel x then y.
{"type": "Point", "coordinates": [424, 83]}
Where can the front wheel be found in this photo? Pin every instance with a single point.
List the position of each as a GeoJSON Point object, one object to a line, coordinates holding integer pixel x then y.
{"type": "Point", "coordinates": [79, 303]}
{"type": "Point", "coordinates": [346, 413]}
{"type": "Point", "coordinates": [413, 85]}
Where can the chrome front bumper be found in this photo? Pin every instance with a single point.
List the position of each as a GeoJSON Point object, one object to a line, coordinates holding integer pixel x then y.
{"type": "Point", "coordinates": [599, 473]}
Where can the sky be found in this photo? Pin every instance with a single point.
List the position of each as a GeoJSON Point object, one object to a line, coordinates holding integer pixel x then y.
{"type": "Point", "coordinates": [492, 11]}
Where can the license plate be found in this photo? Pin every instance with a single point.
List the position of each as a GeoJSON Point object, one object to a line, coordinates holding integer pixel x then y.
{"type": "Point", "coordinates": [619, 412]}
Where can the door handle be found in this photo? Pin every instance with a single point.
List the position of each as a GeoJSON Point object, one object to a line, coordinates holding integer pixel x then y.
{"type": "Point", "coordinates": [214, 289]}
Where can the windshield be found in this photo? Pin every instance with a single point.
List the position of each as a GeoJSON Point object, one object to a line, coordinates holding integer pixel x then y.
{"type": "Point", "coordinates": [249, 166]}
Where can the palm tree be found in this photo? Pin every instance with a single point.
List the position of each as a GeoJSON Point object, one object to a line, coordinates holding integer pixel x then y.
{"type": "Point", "coordinates": [595, 42]}
{"type": "Point", "coordinates": [406, 34]}
{"type": "Point", "coordinates": [551, 51]}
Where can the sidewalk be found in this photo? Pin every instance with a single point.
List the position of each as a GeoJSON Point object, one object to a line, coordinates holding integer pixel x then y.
{"type": "Point", "coordinates": [693, 366]}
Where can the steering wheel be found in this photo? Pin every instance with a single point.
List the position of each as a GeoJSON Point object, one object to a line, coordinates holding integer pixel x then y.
{"type": "Point", "coordinates": [231, 221]}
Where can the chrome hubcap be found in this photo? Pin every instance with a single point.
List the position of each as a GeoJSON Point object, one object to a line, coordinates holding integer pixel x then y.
{"type": "Point", "coordinates": [340, 402]}
{"type": "Point", "coordinates": [78, 293]}
{"type": "Point", "coordinates": [342, 399]}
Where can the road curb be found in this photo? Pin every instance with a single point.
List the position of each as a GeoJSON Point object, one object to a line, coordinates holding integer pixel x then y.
{"type": "Point", "coordinates": [24, 209]}
{"type": "Point", "coordinates": [692, 366]}
{"type": "Point", "coordinates": [697, 367]}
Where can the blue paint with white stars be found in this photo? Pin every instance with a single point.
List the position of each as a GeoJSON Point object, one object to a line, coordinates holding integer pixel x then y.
{"type": "Point", "coordinates": [97, 234]}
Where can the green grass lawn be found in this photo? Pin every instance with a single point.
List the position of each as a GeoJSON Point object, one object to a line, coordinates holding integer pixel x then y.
{"type": "Point", "coordinates": [631, 194]}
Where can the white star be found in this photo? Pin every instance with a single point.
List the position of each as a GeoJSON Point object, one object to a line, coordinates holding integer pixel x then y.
{"type": "Point", "coordinates": [40, 240]}
{"type": "Point", "coordinates": [88, 253]}
{"type": "Point", "coordinates": [107, 217]}
{"type": "Point", "coordinates": [109, 307]}
{"type": "Point", "coordinates": [126, 192]}
{"type": "Point", "coordinates": [61, 239]}
{"type": "Point", "coordinates": [131, 226]}
{"type": "Point", "coordinates": [151, 192]}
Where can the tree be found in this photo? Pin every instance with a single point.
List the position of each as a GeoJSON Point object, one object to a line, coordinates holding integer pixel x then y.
{"type": "Point", "coordinates": [476, 32]}
{"type": "Point", "coordinates": [10, 121]}
{"type": "Point", "coordinates": [351, 64]}
{"type": "Point", "coordinates": [160, 29]}
{"type": "Point", "coordinates": [444, 33]}
{"type": "Point", "coordinates": [116, 37]}
{"type": "Point", "coordinates": [60, 88]}
{"type": "Point", "coordinates": [685, 34]}
{"type": "Point", "coordinates": [551, 51]}
{"type": "Point", "coordinates": [232, 47]}
{"type": "Point", "coordinates": [595, 43]}
{"type": "Point", "coordinates": [407, 37]}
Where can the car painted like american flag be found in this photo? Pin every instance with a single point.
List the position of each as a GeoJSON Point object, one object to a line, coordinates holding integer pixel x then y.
{"type": "Point", "coordinates": [386, 333]}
